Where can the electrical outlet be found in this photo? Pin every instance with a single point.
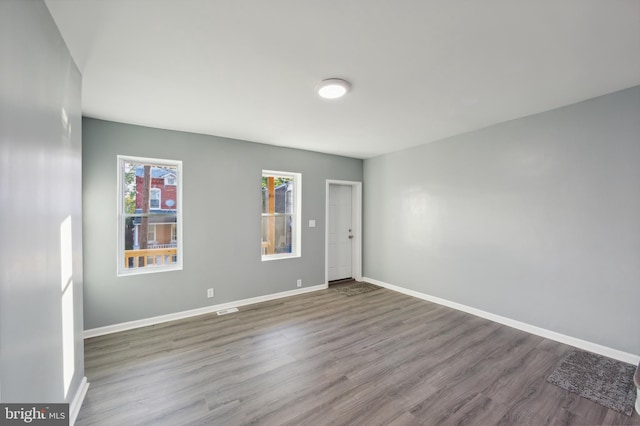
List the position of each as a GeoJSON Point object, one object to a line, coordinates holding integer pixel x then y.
{"type": "Point", "coordinates": [299, 283]}
{"type": "Point", "coordinates": [209, 292]}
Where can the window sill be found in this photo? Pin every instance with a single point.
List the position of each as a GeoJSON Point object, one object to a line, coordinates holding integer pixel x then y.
{"type": "Point", "coordinates": [149, 270]}
{"type": "Point", "coordinates": [270, 257]}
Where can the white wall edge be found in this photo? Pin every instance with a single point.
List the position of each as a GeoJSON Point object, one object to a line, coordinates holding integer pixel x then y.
{"type": "Point", "coordinates": [538, 331]}
{"type": "Point", "coordinates": [99, 331]}
{"type": "Point", "coordinates": [76, 402]}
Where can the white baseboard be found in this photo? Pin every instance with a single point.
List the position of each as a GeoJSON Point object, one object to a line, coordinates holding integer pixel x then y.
{"type": "Point", "coordinates": [93, 332]}
{"type": "Point", "coordinates": [558, 337]}
{"type": "Point", "coordinates": [76, 402]}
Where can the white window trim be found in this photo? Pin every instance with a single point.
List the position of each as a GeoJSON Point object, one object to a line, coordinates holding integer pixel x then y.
{"type": "Point", "coordinates": [178, 265]}
{"type": "Point", "coordinates": [296, 237]}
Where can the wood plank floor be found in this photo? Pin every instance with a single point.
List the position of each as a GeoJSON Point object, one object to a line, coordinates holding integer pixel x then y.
{"type": "Point", "coordinates": [379, 358]}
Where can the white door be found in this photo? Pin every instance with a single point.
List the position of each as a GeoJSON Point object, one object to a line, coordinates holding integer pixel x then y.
{"type": "Point", "coordinates": [340, 232]}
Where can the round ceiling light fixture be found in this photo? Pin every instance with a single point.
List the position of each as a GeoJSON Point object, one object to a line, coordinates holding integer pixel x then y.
{"type": "Point", "coordinates": [333, 88]}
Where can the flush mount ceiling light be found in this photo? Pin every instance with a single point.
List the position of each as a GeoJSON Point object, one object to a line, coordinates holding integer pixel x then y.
{"type": "Point", "coordinates": [333, 88]}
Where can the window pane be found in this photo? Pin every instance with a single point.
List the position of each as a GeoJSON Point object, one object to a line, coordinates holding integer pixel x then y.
{"type": "Point", "coordinates": [159, 248]}
{"type": "Point", "coordinates": [282, 194]}
{"type": "Point", "coordinates": [282, 226]}
{"type": "Point", "coordinates": [160, 195]}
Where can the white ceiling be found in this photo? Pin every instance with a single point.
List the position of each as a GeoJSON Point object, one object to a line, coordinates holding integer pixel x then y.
{"type": "Point", "coordinates": [421, 70]}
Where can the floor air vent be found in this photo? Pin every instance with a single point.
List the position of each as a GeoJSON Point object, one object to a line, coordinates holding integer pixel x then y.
{"type": "Point", "coordinates": [227, 311]}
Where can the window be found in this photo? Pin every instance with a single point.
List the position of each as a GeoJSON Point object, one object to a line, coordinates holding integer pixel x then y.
{"type": "Point", "coordinates": [149, 215]}
{"type": "Point", "coordinates": [151, 234]}
{"type": "Point", "coordinates": [155, 198]}
{"type": "Point", "coordinates": [281, 208]}
{"type": "Point", "coordinates": [170, 180]}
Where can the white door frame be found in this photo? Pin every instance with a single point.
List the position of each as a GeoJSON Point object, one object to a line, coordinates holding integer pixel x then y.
{"type": "Point", "coordinates": [356, 222]}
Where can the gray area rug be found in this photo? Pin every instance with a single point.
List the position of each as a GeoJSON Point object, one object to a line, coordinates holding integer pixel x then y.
{"type": "Point", "coordinates": [357, 288]}
{"type": "Point", "coordinates": [597, 378]}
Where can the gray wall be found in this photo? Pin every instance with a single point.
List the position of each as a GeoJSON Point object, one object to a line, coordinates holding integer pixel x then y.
{"type": "Point", "coordinates": [40, 186]}
{"type": "Point", "coordinates": [536, 219]}
{"type": "Point", "coordinates": [222, 207]}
